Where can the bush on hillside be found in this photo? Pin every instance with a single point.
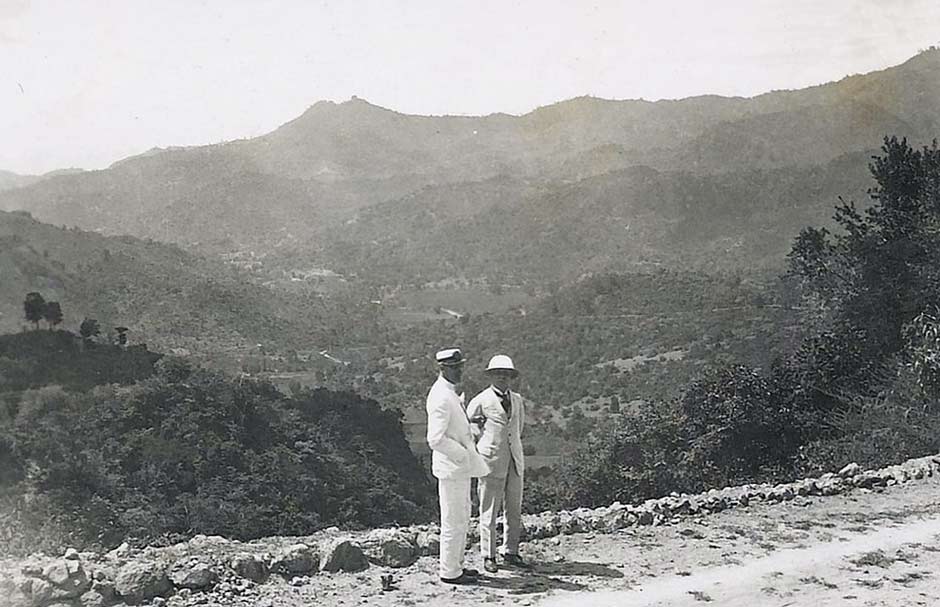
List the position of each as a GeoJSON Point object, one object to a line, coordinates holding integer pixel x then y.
{"type": "Point", "coordinates": [40, 358]}
{"type": "Point", "coordinates": [191, 451]}
{"type": "Point", "coordinates": [923, 353]}
{"type": "Point", "coordinates": [731, 425]}
{"type": "Point", "coordinates": [860, 387]}
{"type": "Point", "coordinates": [627, 461]}
{"type": "Point", "coordinates": [864, 283]}
{"type": "Point", "coordinates": [742, 425]}
{"type": "Point", "coordinates": [874, 431]}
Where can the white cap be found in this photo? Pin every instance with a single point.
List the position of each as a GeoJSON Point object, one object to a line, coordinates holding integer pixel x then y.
{"type": "Point", "coordinates": [501, 362]}
{"type": "Point", "coordinates": [449, 357]}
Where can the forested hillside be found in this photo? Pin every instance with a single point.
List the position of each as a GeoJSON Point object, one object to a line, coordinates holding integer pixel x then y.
{"type": "Point", "coordinates": [167, 297]}
{"type": "Point", "coordinates": [520, 232]}
{"type": "Point", "coordinates": [860, 386]}
{"type": "Point", "coordinates": [99, 444]}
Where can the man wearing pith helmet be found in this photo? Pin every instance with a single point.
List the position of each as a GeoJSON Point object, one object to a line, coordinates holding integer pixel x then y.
{"type": "Point", "coordinates": [498, 415]}
{"type": "Point", "coordinates": [454, 460]}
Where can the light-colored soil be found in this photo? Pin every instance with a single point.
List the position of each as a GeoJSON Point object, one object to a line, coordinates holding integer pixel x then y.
{"type": "Point", "coordinates": [862, 548]}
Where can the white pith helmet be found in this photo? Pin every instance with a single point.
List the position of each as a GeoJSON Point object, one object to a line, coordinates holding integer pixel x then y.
{"type": "Point", "coordinates": [502, 362]}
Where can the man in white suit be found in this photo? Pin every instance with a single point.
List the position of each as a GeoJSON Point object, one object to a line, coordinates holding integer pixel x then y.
{"type": "Point", "coordinates": [454, 460]}
{"type": "Point", "coordinates": [498, 415]}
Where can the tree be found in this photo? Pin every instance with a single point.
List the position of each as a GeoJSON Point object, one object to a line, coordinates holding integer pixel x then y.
{"type": "Point", "coordinates": [52, 312]}
{"type": "Point", "coordinates": [89, 328]}
{"type": "Point", "coordinates": [923, 353]}
{"type": "Point", "coordinates": [740, 423]}
{"type": "Point", "coordinates": [875, 274]}
{"type": "Point", "coordinates": [577, 425]}
{"type": "Point", "coordinates": [614, 406]}
{"type": "Point", "coordinates": [189, 450]}
{"type": "Point", "coordinates": [629, 459]}
{"type": "Point", "coordinates": [33, 306]}
{"type": "Point", "coordinates": [295, 388]}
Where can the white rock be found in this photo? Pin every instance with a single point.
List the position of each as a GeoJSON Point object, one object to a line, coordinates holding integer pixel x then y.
{"type": "Point", "coordinates": [120, 552]}
{"type": "Point", "coordinates": [849, 470]}
{"type": "Point", "coordinates": [192, 575]}
{"type": "Point", "coordinates": [142, 580]}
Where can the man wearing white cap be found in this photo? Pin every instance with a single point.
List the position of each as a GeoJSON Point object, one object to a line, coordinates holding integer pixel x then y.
{"type": "Point", "coordinates": [454, 460]}
{"type": "Point", "coordinates": [499, 416]}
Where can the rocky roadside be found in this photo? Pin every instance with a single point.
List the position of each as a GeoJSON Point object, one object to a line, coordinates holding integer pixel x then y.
{"type": "Point", "coordinates": [330, 564]}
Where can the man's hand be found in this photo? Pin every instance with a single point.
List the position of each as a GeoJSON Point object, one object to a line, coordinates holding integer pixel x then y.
{"type": "Point", "coordinates": [476, 426]}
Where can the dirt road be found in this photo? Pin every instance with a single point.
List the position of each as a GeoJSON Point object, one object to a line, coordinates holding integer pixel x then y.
{"type": "Point", "coordinates": [862, 548]}
{"type": "Point", "coordinates": [890, 566]}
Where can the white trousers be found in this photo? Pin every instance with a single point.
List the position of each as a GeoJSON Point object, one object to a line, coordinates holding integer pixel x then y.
{"type": "Point", "coordinates": [454, 496]}
{"type": "Point", "coordinates": [505, 492]}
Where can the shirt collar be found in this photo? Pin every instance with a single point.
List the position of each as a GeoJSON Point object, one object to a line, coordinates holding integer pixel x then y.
{"type": "Point", "coordinates": [498, 392]}
{"type": "Point", "coordinates": [447, 384]}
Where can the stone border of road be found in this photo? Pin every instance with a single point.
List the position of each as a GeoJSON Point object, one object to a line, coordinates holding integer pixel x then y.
{"type": "Point", "coordinates": [658, 511]}
{"type": "Point", "coordinates": [221, 569]}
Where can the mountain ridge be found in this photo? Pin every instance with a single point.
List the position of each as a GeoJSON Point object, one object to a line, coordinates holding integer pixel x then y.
{"type": "Point", "coordinates": [314, 174]}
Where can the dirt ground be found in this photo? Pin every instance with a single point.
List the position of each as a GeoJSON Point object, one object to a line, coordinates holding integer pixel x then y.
{"type": "Point", "coordinates": [862, 548]}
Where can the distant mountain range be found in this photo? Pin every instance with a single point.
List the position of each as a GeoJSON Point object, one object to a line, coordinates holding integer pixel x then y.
{"type": "Point", "coordinates": [513, 229]}
{"type": "Point", "coordinates": [586, 183]}
{"type": "Point", "coordinates": [10, 180]}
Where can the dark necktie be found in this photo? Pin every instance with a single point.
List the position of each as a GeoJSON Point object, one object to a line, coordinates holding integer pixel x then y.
{"type": "Point", "coordinates": [507, 403]}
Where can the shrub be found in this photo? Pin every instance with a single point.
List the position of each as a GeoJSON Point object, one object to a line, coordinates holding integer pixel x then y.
{"type": "Point", "coordinates": [873, 431]}
{"type": "Point", "coordinates": [627, 460]}
{"type": "Point", "coordinates": [731, 425]}
{"type": "Point", "coordinates": [192, 451]}
{"type": "Point", "coordinates": [741, 425]}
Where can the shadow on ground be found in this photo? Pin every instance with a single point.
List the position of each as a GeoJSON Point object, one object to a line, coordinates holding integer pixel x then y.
{"type": "Point", "coordinates": [540, 578]}
{"type": "Point", "coordinates": [528, 584]}
{"type": "Point", "coordinates": [576, 568]}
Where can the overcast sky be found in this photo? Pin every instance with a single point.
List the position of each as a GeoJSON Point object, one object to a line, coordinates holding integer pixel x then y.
{"type": "Point", "coordinates": [86, 82]}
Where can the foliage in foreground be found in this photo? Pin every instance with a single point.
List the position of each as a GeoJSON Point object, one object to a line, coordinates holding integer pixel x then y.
{"type": "Point", "coordinates": [191, 451]}
{"type": "Point", "coordinates": [861, 387]}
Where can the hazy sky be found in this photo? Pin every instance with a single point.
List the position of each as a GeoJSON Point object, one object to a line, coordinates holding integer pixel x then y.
{"type": "Point", "coordinates": [86, 82]}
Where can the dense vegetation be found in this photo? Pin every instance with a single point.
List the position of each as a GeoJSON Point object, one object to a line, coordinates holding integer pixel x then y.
{"type": "Point", "coordinates": [588, 351]}
{"type": "Point", "coordinates": [861, 386]}
{"type": "Point", "coordinates": [40, 358]}
{"type": "Point", "coordinates": [185, 450]}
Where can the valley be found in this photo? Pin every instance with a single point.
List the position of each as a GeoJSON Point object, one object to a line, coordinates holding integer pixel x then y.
{"type": "Point", "coordinates": [677, 281]}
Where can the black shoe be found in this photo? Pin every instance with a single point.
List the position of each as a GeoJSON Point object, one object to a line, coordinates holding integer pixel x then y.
{"type": "Point", "coordinates": [489, 564]}
{"type": "Point", "coordinates": [471, 573]}
{"type": "Point", "coordinates": [463, 578]}
{"type": "Point", "coordinates": [514, 560]}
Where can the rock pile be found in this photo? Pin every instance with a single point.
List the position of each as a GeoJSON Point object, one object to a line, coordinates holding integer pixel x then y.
{"type": "Point", "coordinates": [215, 570]}
{"type": "Point", "coordinates": [219, 570]}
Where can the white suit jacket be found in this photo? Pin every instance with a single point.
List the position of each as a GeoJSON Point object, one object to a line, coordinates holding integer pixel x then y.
{"type": "Point", "coordinates": [454, 454]}
{"type": "Point", "coordinates": [501, 438]}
